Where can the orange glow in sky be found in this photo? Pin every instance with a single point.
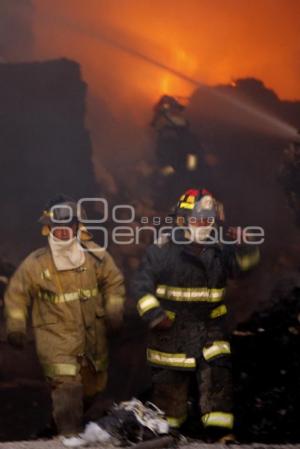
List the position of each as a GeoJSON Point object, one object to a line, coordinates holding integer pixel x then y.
{"type": "Point", "coordinates": [213, 41]}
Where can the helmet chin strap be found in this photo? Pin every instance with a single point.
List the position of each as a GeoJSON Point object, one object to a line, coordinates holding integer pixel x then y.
{"type": "Point", "coordinates": [198, 234]}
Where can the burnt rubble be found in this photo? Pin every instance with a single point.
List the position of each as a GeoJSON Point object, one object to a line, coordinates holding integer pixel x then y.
{"type": "Point", "coordinates": [267, 372]}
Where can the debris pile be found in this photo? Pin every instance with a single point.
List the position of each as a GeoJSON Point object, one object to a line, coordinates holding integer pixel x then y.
{"type": "Point", "coordinates": [267, 372]}
{"type": "Point", "coordinates": [126, 423]}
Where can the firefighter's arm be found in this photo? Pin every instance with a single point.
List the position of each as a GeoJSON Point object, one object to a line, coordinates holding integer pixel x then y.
{"type": "Point", "coordinates": [113, 289]}
{"type": "Point", "coordinates": [144, 287]}
{"type": "Point", "coordinates": [16, 302]}
{"type": "Point", "coordinates": [241, 258]}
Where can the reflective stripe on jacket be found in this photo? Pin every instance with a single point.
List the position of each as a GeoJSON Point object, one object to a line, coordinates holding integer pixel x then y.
{"type": "Point", "coordinates": [69, 308]}
{"type": "Point", "coordinates": [186, 283]}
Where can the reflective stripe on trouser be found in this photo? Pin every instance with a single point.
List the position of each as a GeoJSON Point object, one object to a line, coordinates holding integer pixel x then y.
{"type": "Point", "coordinates": [60, 369]}
{"type": "Point", "coordinates": [216, 349]}
{"type": "Point", "coordinates": [92, 382]}
{"type": "Point", "coordinates": [165, 359]}
{"type": "Point", "coordinates": [215, 387]}
{"type": "Point", "coordinates": [190, 294]}
{"type": "Point", "coordinates": [176, 422]}
{"type": "Point", "coordinates": [218, 419]}
{"type": "Point", "coordinates": [147, 303]}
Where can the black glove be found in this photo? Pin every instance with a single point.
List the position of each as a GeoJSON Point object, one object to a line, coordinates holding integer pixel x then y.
{"type": "Point", "coordinates": [17, 339]}
{"type": "Point", "coordinates": [161, 320]}
{"type": "Point", "coordinates": [164, 324]}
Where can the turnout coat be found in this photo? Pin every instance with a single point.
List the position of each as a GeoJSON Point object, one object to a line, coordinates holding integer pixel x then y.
{"type": "Point", "coordinates": [68, 308]}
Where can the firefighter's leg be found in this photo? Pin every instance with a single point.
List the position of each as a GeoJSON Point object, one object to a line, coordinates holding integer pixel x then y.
{"type": "Point", "coordinates": [93, 383]}
{"type": "Point", "coordinates": [215, 385]}
{"type": "Point", "coordinates": [67, 403]}
{"type": "Point", "coordinates": [170, 394]}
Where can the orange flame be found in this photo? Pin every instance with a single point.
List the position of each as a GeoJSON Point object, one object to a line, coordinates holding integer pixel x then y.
{"type": "Point", "coordinates": [202, 39]}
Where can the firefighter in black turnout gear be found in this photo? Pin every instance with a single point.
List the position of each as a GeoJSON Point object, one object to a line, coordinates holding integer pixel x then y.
{"type": "Point", "coordinates": [179, 153]}
{"type": "Point", "coordinates": [179, 290]}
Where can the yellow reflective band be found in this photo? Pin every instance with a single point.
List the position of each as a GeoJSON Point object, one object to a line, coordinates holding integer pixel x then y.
{"type": "Point", "coordinates": [16, 314]}
{"type": "Point", "coordinates": [60, 369]}
{"type": "Point", "coordinates": [147, 303]}
{"type": "Point", "coordinates": [67, 297]}
{"type": "Point", "coordinates": [218, 419]}
{"type": "Point", "coordinates": [175, 422]}
{"type": "Point", "coordinates": [190, 199]}
{"type": "Point", "coordinates": [217, 348]}
{"type": "Point", "coordinates": [171, 315]}
{"type": "Point", "coordinates": [166, 359]}
{"type": "Point", "coordinates": [186, 206]}
{"type": "Point", "coordinates": [114, 304]}
{"type": "Point", "coordinates": [248, 260]}
{"type": "Point", "coordinates": [218, 311]}
{"type": "Point", "coordinates": [190, 294]}
{"type": "Point", "coordinates": [46, 274]}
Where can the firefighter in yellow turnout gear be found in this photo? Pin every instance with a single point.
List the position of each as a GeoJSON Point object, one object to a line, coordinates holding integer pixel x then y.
{"type": "Point", "coordinates": [179, 290]}
{"type": "Point", "coordinates": [75, 295]}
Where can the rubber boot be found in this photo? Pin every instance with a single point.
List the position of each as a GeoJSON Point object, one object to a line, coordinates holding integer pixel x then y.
{"type": "Point", "coordinates": [219, 435]}
{"type": "Point", "coordinates": [67, 400]}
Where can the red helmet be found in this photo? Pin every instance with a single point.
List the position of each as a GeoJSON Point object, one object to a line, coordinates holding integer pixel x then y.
{"type": "Point", "coordinates": [200, 205]}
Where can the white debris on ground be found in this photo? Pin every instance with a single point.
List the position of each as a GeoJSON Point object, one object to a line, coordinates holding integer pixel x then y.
{"type": "Point", "coordinates": [92, 434]}
{"type": "Point", "coordinates": [148, 416]}
{"type": "Point", "coordinates": [56, 443]}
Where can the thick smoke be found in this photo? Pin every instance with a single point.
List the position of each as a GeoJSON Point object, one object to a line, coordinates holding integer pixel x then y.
{"type": "Point", "coordinates": [208, 40]}
{"type": "Point", "coordinates": [247, 155]}
{"type": "Point", "coordinates": [242, 150]}
{"type": "Point", "coordinates": [124, 87]}
{"type": "Point", "coordinates": [16, 34]}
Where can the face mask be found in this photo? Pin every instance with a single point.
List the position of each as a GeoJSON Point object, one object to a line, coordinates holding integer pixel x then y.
{"type": "Point", "coordinates": [67, 254]}
{"type": "Point", "coordinates": [198, 234]}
